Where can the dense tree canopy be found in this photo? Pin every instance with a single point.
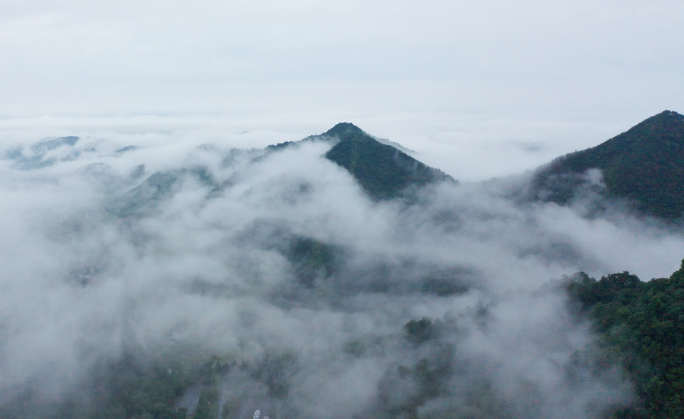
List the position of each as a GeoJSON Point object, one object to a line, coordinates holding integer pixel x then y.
{"type": "Point", "coordinates": [641, 325]}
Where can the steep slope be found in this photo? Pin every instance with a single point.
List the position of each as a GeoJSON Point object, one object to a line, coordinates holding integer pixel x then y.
{"type": "Point", "coordinates": [644, 165]}
{"type": "Point", "coordinates": [382, 170]}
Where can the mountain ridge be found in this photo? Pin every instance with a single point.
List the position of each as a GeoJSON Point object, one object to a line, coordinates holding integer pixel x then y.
{"type": "Point", "coordinates": [644, 165]}
{"type": "Point", "coordinates": [384, 171]}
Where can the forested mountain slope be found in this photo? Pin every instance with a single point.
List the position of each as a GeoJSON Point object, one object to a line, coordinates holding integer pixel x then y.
{"type": "Point", "coordinates": [645, 165]}
{"type": "Point", "coordinates": [384, 171]}
{"type": "Point", "coordinates": [641, 325]}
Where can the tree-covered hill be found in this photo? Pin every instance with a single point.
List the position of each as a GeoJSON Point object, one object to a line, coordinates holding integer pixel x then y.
{"type": "Point", "coordinates": [641, 326]}
{"type": "Point", "coordinates": [382, 170]}
{"type": "Point", "coordinates": [645, 165]}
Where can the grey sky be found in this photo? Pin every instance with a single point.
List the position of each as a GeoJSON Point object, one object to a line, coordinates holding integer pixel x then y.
{"type": "Point", "coordinates": [459, 76]}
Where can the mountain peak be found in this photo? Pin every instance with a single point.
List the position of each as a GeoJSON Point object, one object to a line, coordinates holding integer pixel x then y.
{"type": "Point", "coordinates": [343, 129]}
{"type": "Point", "coordinates": [384, 171]}
{"type": "Point", "coordinates": [659, 126]}
{"type": "Point", "coordinates": [668, 115]}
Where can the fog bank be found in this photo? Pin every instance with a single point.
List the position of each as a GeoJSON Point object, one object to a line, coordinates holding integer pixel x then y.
{"type": "Point", "coordinates": [255, 255]}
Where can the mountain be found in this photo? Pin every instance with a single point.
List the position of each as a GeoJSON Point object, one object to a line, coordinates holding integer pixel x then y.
{"type": "Point", "coordinates": [645, 165]}
{"type": "Point", "coordinates": [380, 166]}
{"type": "Point", "coordinates": [383, 171]}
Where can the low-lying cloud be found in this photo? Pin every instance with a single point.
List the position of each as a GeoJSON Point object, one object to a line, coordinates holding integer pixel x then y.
{"type": "Point", "coordinates": [210, 247]}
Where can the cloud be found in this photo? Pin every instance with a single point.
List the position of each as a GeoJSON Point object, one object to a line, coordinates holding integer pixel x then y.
{"type": "Point", "coordinates": [217, 259]}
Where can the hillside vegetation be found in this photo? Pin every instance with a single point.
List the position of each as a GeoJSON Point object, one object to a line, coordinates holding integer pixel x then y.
{"type": "Point", "coordinates": [641, 326]}
{"type": "Point", "coordinates": [382, 170]}
{"type": "Point", "coordinates": [645, 165]}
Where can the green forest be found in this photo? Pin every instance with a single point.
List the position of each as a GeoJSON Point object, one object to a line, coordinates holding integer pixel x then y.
{"type": "Point", "coordinates": [641, 326]}
{"type": "Point", "coordinates": [382, 170]}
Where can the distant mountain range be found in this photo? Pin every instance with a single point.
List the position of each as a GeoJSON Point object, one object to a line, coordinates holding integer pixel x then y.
{"type": "Point", "coordinates": [643, 166]}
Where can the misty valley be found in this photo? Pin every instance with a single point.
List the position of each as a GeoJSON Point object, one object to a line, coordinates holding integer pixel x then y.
{"type": "Point", "coordinates": [340, 277]}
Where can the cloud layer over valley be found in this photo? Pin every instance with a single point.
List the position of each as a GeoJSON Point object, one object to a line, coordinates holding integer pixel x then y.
{"type": "Point", "coordinates": [257, 255]}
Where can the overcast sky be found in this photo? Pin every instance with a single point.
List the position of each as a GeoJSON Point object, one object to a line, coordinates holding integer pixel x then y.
{"type": "Point", "coordinates": [479, 88]}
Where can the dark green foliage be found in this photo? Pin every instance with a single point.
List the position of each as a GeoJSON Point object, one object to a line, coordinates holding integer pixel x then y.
{"type": "Point", "coordinates": [207, 407]}
{"type": "Point", "coordinates": [280, 146]}
{"type": "Point", "coordinates": [589, 292]}
{"type": "Point", "coordinates": [644, 165]}
{"type": "Point", "coordinates": [419, 331]}
{"type": "Point", "coordinates": [382, 170]}
{"type": "Point", "coordinates": [344, 130]}
{"type": "Point", "coordinates": [641, 325]}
